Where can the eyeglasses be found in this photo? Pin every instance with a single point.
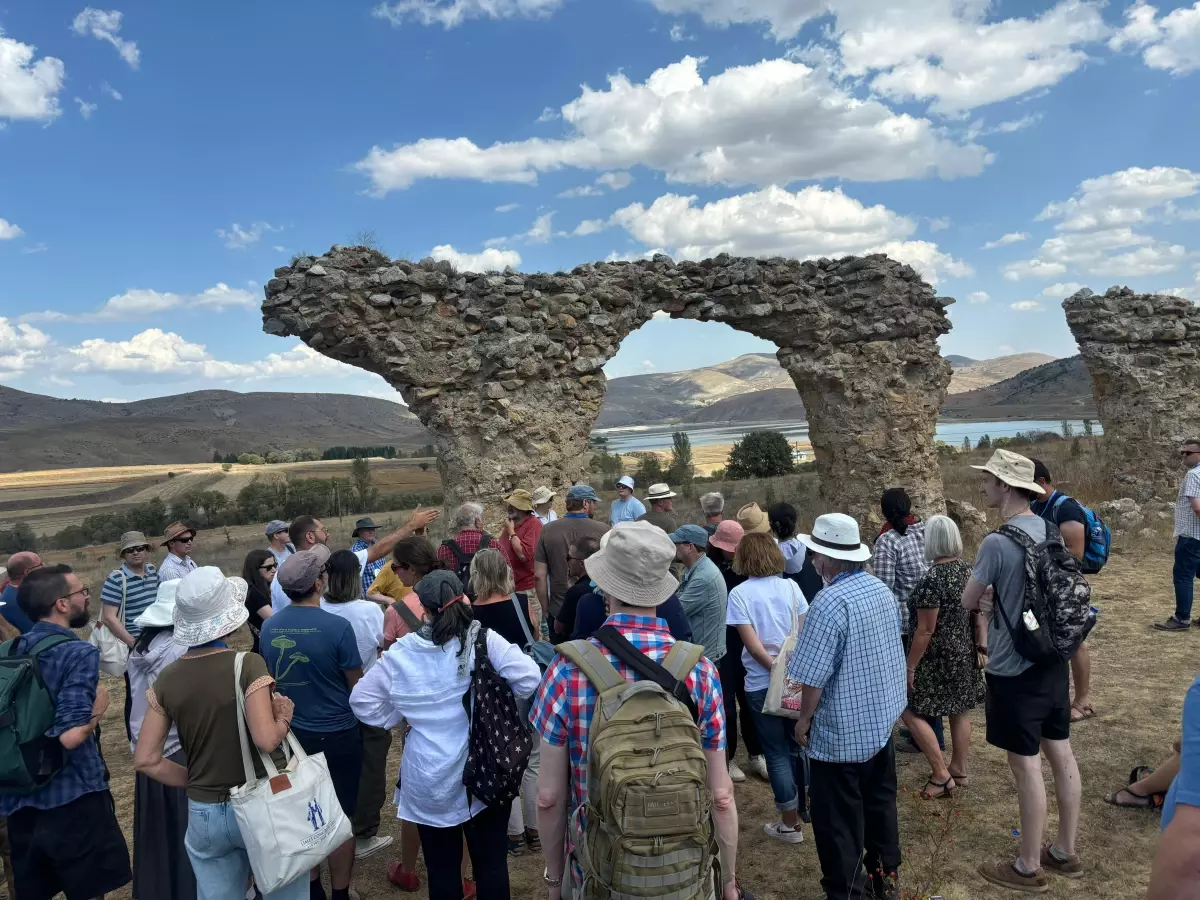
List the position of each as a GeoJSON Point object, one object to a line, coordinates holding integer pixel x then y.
{"type": "Point", "coordinates": [82, 590]}
{"type": "Point", "coordinates": [270, 567]}
{"type": "Point", "coordinates": [1188, 452]}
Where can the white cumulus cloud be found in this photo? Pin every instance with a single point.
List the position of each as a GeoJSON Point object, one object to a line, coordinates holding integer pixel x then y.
{"type": "Point", "coordinates": [21, 347]}
{"type": "Point", "coordinates": [86, 109]}
{"type": "Point", "coordinates": [775, 121]}
{"type": "Point", "coordinates": [1026, 306]}
{"type": "Point", "coordinates": [112, 91]}
{"type": "Point", "coordinates": [490, 260]}
{"type": "Point", "coordinates": [1062, 289]}
{"type": "Point", "coordinates": [106, 26]}
{"type": "Point", "coordinates": [1170, 42]}
{"type": "Point", "coordinates": [140, 303]}
{"type": "Point", "coordinates": [452, 13]}
{"type": "Point", "coordinates": [238, 238]}
{"type": "Point", "coordinates": [809, 223]}
{"type": "Point", "coordinates": [1013, 237]}
{"type": "Point", "coordinates": [978, 297]}
{"type": "Point", "coordinates": [28, 87]}
{"type": "Point", "coordinates": [8, 230]}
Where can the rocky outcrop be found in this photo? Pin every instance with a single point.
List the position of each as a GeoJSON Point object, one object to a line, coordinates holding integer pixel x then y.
{"type": "Point", "coordinates": [1142, 353]}
{"type": "Point", "coordinates": [972, 523]}
{"type": "Point", "coordinates": [506, 370]}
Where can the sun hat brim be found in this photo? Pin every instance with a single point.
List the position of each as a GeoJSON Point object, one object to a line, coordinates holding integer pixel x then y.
{"type": "Point", "coordinates": [862, 554]}
{"type": "Point", "coordinates": [715, 541]}
{"type": "Point", "coordinates": [231, 617]}
{"type": "Point", "coordinates": [1012, 481]}
{"type": "Point", "coordinates": [667, 496]}
{"type": "Point", "coordinates": [612, 580]}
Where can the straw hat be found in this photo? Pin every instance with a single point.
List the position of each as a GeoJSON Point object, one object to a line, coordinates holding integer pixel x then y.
{"type": "Point", "coordinates": [161, 612]}
{"type": "Point", "coordinates": [542, 495]}
{"type": "Point", "coordinates": [131, 539]}
{"type": "Point", "coordinates": [727, 536]}
{"type": "Point", "coordinates": [633, 564]}
{"type": "Point", "coordinates": [753, 520]}
{"type": "Point", "coordinates": [520, 499]}
{"type": "Point", "coordinates": [175, 531]}
{"type": "Point", "coordinates": [836, 535]}
{"type": "Point", "coordinates": [1013, 469]}
{"type": "Point", "coordinates": [660, 492]}
{"type": "Point", "coordinates": [208, 606]}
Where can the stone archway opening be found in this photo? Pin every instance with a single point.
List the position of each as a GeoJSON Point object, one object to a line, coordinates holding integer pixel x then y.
{"type": "Point", "coordinates": [505, 369]}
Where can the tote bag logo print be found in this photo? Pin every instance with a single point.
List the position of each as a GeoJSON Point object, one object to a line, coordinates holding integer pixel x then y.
{"type": "Point", "coordinates": [316, 818]}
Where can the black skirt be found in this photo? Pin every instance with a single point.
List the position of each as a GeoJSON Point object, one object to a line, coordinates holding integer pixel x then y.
{"type": "Point", "coordinates": [161, 867]}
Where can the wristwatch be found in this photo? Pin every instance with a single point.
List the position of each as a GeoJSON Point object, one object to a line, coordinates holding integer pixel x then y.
{"type": "Point", "coordinates": [551, 882]}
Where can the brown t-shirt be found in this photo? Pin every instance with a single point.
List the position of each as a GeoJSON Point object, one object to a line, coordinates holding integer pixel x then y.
{"type": "Point", "coordinates": [663, 520]}
{"type": "Point", "coordinates": [556, 539]}
{"type": "Point", "coordinates": [196, 693]}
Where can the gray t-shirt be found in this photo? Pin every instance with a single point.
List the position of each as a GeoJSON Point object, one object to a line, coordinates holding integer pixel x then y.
{"type": "Point", "coordinates": [1000, 564]}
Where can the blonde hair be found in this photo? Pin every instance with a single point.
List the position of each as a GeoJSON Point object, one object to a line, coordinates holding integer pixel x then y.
{"type": "Point", "coordinates": [758, 556]}
{"type": "Point", "coordinates": [490, 575]}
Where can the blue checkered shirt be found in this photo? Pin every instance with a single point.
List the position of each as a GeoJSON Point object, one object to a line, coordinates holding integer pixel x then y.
{"type": "Point", "coordinates": [370, 570]}
{"type": "Point", "coordinates": [71, 672]}
{"type": "Point", "coordinates": [850, 647]}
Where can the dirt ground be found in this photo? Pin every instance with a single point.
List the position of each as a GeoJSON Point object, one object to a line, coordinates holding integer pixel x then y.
{"type": "Point", "coordinates": [1140, 679]}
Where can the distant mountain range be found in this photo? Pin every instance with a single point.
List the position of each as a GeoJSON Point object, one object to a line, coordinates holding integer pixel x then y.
{"type": "Point", "coordinates": [38, 432]}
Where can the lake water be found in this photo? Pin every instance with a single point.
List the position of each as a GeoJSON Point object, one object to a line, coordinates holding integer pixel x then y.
{"type": "Point", "coordinates": [658, 437]}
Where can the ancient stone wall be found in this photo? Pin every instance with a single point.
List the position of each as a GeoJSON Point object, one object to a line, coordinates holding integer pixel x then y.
{"type": "Point", "coordinates": [506, 369]}
{"type": "Point", "coordinates": [1142, 353]}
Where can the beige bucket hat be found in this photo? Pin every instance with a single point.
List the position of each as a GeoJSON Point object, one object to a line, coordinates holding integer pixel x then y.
{"type": "Point", "coordinates": [520, 499]}
{"type": "Point", "coordinates": [753, 520]}
{"type": "Point", "coordinates": [1013, 469]}
{"type": "Point", "coordinates": [131, 539]}
{"type": "Point", "coordinates": [633, 564]}
{"type": "Point", "coordinates": [542, 495]}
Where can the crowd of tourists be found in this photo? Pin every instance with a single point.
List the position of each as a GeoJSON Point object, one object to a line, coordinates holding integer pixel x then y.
{"type": "Point", "coordinates": [570, 689]}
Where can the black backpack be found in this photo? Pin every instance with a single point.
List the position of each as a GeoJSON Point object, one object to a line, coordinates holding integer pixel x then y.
{"type": "Point", "coordinates": [462, 561]}
{"type": "Point", "coordinates": [1056, 595]}
{"type": "Point", "coordinates": [499, 739]}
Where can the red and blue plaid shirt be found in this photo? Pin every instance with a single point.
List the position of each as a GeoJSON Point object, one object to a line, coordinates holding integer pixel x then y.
{"type": "Point", "coordinates": [562, 709]}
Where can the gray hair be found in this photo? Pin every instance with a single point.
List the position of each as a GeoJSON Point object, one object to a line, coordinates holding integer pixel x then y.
{"type": "Point", "coordinates": [847, 565]}
{"type": "Point", "coordinates": [712, 504]}
{"type": "Point", "coordinates": [942, 538]}
{"type": "Point", "coordinates": [468, 514]}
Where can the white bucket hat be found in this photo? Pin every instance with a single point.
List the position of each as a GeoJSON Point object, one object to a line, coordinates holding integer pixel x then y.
{"type": "Point", "coordinates": [633, 564]}
{"type": "Point", "coordinates": [208, 606]}
{"type": "Point", "coordinates": [162, 611]}
{"type": "Point", "coordinates": [836, 535]}
{"type": "Point", "coordinates": [542, 495]}
{"type": "Point", "coordinates": [626, 480]}
{"type": "Point", "coordinates": [660, 492]}
{"type": "Point", "coordinates": [1013, 469]}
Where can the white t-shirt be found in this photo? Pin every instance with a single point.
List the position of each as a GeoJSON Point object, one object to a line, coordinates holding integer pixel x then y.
{"type": "Point", "coordinates": [279, 599]}
{"type": "Point", "coordinates": [366, 618]}
{"type": "Point", "coordinates": [549, 517]}
{"type": "Point", "coordinates": [766, 604]}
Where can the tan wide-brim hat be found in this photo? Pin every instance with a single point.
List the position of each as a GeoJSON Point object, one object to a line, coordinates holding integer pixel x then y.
{"type": "Point", "coordinates": [520, 499]}
{"type": "Point", "coordinates": [1013, 469]}
{"type": "Point", "coordinates": [836, 535]}
{"type": "Point", "coordinates": [131, 539]}
{"type": "Point", "coordinates": [175, 531]}
{"type": "Point", "coordinates": [633, 564]}
{"type": "Point", "coordinates": [542, 495]}
{"type": "Point", "coordinates": [753, 520]}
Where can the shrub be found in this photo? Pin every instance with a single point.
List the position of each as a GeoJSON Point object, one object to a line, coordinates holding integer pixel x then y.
{"type": "Point", "coordinates": [761, 454]}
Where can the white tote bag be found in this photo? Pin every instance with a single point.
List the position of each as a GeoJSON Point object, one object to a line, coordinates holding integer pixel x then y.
{"type": "Point", "coordinates": [114, 652]}
{"type": "Point", "coordinates": [783, 695]}
{"type": "Point", "coordinates": [291, 819]}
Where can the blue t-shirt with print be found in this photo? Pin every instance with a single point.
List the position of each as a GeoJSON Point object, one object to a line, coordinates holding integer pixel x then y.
{"type": "Point", "coordinates": [308, 652]}
{"type": "Point", "coordinates": [1185, 788]}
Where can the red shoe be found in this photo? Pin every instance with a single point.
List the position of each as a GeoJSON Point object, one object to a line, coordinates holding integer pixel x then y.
{"type": "Point", "coordinates": [406, 881]}
{"type": "Point", "coordinates": [468, 889]}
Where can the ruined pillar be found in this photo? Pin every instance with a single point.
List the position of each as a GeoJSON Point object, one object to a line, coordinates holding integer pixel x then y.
{"type": "Point", "coordinates": [505, 370]}
{"type": "Point", "coordinates": [1142, 353]}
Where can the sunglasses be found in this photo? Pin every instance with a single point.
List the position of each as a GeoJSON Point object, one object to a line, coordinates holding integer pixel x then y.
{"type": "Point", "coordinates": [270, 567]}
{"type": "Point", "coordinates": [138, 550]}
{"type": "Point", "coordinates": [186, 540]}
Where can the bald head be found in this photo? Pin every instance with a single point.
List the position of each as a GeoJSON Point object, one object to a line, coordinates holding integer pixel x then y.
{"type": "Point", "coordinates": [20, 564]}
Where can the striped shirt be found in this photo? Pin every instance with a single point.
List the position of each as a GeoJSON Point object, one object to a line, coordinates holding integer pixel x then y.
{"type": "Point", "coordinates": [1187, 523]}
{"type": "Point", "coordinates": [140, 592]}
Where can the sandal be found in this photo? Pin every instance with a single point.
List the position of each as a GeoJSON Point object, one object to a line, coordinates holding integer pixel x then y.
{"type": "Point", "coordinates": [946, 789]}
{"type": "Point", "coordinates": [1084, 713]}
{"type": "Point", "coordinates": [1140, 801]}
{"type": "Point", "coordinates": [960, 781]}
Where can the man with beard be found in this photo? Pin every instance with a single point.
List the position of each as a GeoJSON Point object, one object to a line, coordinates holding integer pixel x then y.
{"type": "Point", "coordinates": [552, 558]}
{"type": "Point", "coordinates": [65, 835]}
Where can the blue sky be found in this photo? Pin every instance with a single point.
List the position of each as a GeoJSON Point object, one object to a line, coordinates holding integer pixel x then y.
{"type": "Point", "coordinates": [158, 161]}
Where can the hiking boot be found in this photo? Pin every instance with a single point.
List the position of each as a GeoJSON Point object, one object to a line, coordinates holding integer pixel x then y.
{"type": "Point", "coordinates": [532, 841]}
{"type": "Point", "coordinates": [758, 765]}
{"type": "Point", "coordinates": [364, 847]}
{"type": "Point", "coordinates": [1174, 624]}
{"type": "Point", "coordinates": [1059, 863]}
{"type": "Point", "coordinates": [781, 832]}
{"type": "Point", "coordinates": [736, 775]}
{"type": "Point", "coordinates": [516, 845]}
{"type": "Point", "coordinates": [1004, 874]}
{"type": "Point", "coordinates": [406, 881]}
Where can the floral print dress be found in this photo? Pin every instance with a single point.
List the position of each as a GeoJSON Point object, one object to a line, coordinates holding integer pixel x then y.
{"type": "Point", "coordinates": [947, 682]}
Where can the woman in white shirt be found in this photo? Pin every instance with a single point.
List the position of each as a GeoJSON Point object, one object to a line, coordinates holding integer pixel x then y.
{"type": "Point", "coordinates": [764, 608]}
{"type": "Point", "coordinates": [422, 679]}
{"type": "Point", "coordinates": [343, 598]}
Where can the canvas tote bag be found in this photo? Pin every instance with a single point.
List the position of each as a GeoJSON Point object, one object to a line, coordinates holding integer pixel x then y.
{"type": "Point", "coordinates": [114, 652]}
{"type": "Point", "coordinates": [783, 695]}
{"type": "Point", "coordinates": [291, 819]}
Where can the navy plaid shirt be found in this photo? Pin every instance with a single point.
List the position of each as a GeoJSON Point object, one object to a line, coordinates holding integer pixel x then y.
{"type": "Point", "coordinates": [370, 570]}
{"type": "Point", "coordinates": [71, 672]}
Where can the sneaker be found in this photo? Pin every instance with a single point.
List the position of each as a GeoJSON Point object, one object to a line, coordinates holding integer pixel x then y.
{"type": "Point", "coordinates": [532, 841]}
{"type": "Point", "coordinates": [758, 765]}
{"type": "Point", "coordinates": [516, 845]}
{"type": "Point", "coordinates": [406, 881]}
{"type": "Point", "coordinates": [1066, 866]}
{"type": "Point", "coordinates": [1004, 874]}
{"type": "Point", "coordinates": [781, 832]}
{"type": "Point", "coordinates": [364, 847]}
{"type": "Point", "coordinates": [1173, 624]}
{"type": "Point", "coordinates": [736, 775]}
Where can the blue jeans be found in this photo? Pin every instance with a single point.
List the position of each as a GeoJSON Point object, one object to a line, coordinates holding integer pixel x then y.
{"type": "Point", "coordinates": [785, 763]}
{"type": "Point", "coordinates": [218, 854]}
{"type": "Point", "coordinates": [1187, 569]}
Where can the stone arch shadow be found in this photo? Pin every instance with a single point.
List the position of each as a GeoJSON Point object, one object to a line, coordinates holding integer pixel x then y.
{"type": "Point", "coordinates": [505, 370]}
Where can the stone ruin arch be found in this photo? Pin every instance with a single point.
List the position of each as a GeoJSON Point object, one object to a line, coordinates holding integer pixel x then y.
{"type": "Point", "coordinates": [505, 370]}
{"type": "Point", "coordinates": [1143, 354]}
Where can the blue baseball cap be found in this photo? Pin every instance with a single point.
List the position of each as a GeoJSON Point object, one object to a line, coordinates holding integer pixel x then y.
{"type": "Point", "coordinates": [690, 534]}
{"type": "Point", "coordinates": [582, 492]}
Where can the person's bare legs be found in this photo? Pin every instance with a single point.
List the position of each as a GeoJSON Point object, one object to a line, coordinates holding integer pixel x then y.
{"type": "Point", "coordinates": [926, 742]}
{"type": "Point", "coordinates": [1031, 798]}
{"type": "Point", "coordinates": [1067, 791]}
{"type": "Point", "coordinates": [960, 736]}
{"type": "Point", "coordinates": [410, 846]}
{"type": "Point", "coordinates": [1081, 674]}
{"type": "Point", "coordinates": [341, 865]}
